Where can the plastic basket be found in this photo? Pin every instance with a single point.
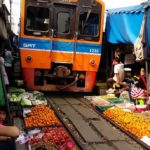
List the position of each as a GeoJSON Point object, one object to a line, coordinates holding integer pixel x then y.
{"type": "Point", "coordinates": [116, 100]}
{"type": "Point", "coordinates": [101, 109]}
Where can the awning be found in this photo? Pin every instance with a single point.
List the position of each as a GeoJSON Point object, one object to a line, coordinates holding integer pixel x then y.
{"type": "Point", "coordinates": [148, 26]}
{"type": "Point", "coordinates": [123, 24]}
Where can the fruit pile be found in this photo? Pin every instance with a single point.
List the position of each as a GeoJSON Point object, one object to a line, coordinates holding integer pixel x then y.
{"type": "Point", "coordinates": [44, 145]}
{"type": "Point", "coordinates": [57, 136]}
{"type": "Point", "coordinates": [129, 121]}
{"type": "Point", "coordinates": [39, 116]}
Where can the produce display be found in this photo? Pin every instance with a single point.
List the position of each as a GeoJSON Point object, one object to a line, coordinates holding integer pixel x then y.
{"type": "Point", "coordinates": [41, 116]}
{"type": "Point", "coordinates": [52, 139]}
{"type": "Point", "coordinates": [38, 95]}
{"type": "Point", "coordinates": [24, 98]}
{"type": "Point", "coordinates": [44, 145]}
{"type": "Point", "coordinates": [95, 98]}
{"type": "Point", "coordinates": [129, 121]}
{"type": "Point", "coordinates": [105, 102]}
{"type": "Point", "coordinates": [126, 105]}
{"type": "Point", "coordinates": [15, 98]}
{"type": "Point", "coordinates": [43, 130]}
{"type": "Point", "coordinates": [100, 102]}
{"type": "Point", "coordinates": [25, 102]}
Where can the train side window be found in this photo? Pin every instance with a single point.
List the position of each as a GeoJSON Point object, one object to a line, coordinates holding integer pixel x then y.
{"type": "Point", "coordinates": [63, 22]}
{"type": "Point", "coordinates": [89, 26]}
{"type": "Point", "coordinates": [37, 20]}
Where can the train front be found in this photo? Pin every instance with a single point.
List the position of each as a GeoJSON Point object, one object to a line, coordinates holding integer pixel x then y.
{"type": "Point", "coordinates": [60, 44]}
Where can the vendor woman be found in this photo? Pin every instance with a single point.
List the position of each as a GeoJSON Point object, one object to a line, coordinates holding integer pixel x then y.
{"type": "Point", "coordinates": [6, 132]}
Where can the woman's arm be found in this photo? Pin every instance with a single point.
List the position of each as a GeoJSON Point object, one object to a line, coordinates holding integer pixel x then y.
{"type": "Point", "coordinates": [9, 131]}
{"type": "Point", "coordinates": [4, 138]}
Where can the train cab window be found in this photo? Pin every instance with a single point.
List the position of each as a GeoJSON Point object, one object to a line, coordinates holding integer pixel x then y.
{"type": "Point", "coordinates": [63, 22]}
{"type": "Point", "coordinates": [89, 26]}
{"type": "Point", "coordinates": [37, 20]}
{"type": "Point", "coordinates": [64, 17]}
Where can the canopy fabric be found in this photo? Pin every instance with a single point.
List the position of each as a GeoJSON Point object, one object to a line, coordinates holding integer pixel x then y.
{"type": "Point", "coordinates": [123, 24]}
{"type": "Point", "coordinates": [148, 27]}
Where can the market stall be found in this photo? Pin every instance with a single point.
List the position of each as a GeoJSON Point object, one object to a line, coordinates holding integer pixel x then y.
{"type": "Point", "coordinates": [130, 26]}
{"type": "Point", "coordinates": [41, 127]}
{"type": "Point", "coordinates": [129, 109]}
{"type": "Point", "coordinates": [131, 117]}
{"type": "Point", "coordinates": [44, 130]}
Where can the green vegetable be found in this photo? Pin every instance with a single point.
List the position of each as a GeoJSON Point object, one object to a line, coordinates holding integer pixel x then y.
{"type": "Point", "coordinates": [26, 102]}
{"type": "Point", "coordinates": [38, 95]}
{"type": "Point", "coordinates": [17, 91]}
{"type": "Point", "coordinates": [15, 98]}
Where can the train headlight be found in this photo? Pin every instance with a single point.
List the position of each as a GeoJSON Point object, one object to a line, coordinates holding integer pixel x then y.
{"type": "Point", "coordinates": [92, 62]}
{"type": "Point", "coordinates": [28, 58]}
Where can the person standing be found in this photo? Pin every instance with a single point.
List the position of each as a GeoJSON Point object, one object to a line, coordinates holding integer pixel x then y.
{"type": "Point", "coordinates": [118, 73]}
{"type": "Point", "coordinates": [8, 64]}
{"type": "Point", "coordinates": [142, 79]}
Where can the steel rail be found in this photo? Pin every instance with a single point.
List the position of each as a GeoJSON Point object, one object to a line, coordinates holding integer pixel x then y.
{"type": "Point", "coordinates": [73, 136]}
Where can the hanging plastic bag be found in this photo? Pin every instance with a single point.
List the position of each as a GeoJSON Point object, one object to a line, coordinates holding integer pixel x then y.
{"type": "Point", "coordinates": [139, 45]}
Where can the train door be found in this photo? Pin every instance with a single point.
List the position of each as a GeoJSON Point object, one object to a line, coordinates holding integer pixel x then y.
{"type": "Point", "coordinates": [64, 29]}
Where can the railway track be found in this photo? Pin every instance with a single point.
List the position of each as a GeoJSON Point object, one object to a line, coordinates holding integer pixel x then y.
{"type": "Point", "coordinates": [89, 129]}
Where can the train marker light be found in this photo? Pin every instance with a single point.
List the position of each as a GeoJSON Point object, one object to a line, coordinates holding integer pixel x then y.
{"type": "Point", "coordinates": [92, 62]}
{"type": "Point", "coordinates": [28, 58]}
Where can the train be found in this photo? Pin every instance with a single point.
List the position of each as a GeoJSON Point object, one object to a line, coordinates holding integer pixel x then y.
{"type": "Point", "coordinates": [60, 44]}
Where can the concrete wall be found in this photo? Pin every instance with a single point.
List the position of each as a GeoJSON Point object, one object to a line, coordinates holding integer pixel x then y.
{"type": "Point", "coordinates": [14, 9]}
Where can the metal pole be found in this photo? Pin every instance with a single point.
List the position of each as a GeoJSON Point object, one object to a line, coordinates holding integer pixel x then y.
{"type": "Point", "coordinates": [10, 1]}
{"type": "Point", "coordinates": [146, 66]}
{"type": "Point", "coordinates": [147, 84]}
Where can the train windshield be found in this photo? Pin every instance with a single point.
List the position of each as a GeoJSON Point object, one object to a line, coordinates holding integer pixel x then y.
{"type": "Point", "coordinates": [37, 19]}
{"type": "Point", "coordinates": [89, 25]}
{"type": "Point", "coordinates": [64, 19]}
